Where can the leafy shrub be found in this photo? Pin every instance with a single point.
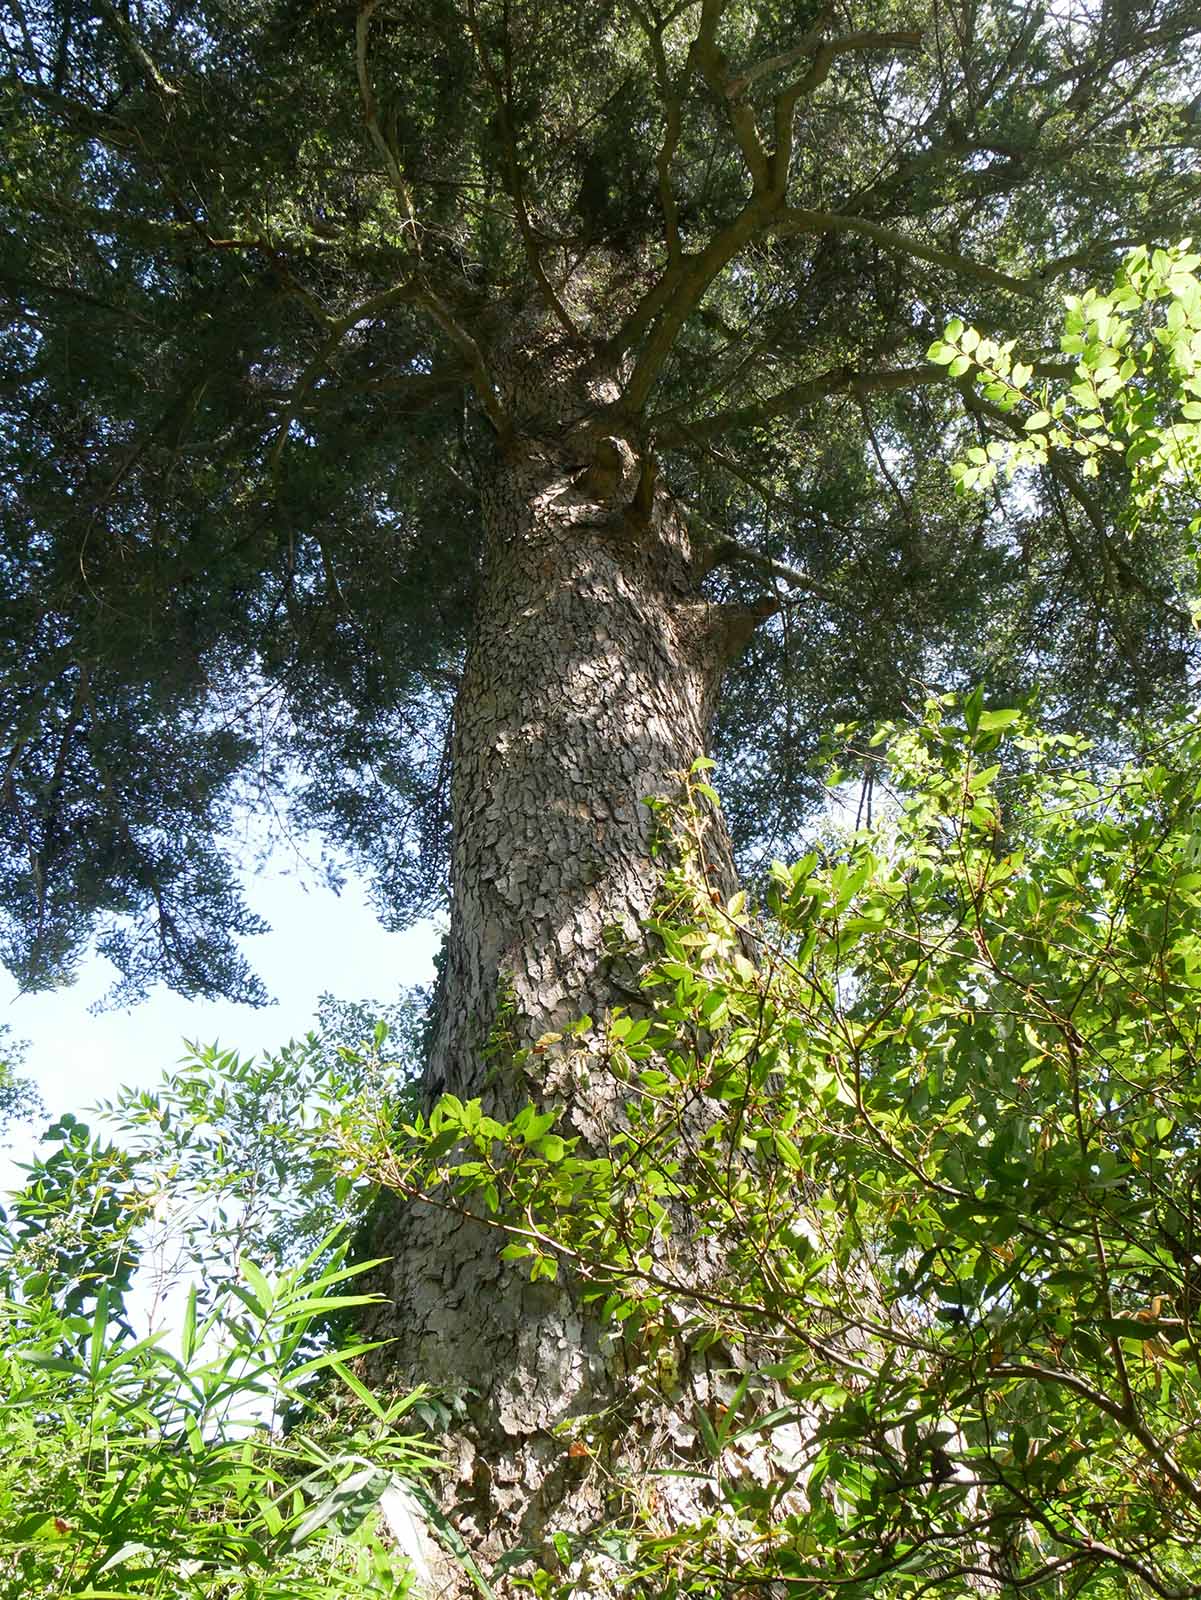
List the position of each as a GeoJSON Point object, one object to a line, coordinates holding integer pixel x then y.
{"type": "Point", "coordinates": [239, 1456]}
{"type": "Point", "coordinates": [943, 1133]}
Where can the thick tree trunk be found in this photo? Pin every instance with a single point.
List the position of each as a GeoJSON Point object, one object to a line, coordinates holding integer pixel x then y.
{"type": "Point", "coordinates": [588, 689]}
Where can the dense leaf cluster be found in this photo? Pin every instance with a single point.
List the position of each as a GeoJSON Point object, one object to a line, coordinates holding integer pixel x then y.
{"type": "Point", "coordinates": [19, 1100]}
{"type": "Point", "coordinates": [944, 1135]}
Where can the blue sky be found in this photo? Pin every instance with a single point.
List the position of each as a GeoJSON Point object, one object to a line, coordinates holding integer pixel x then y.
{"type": "Point", "coordinates": [319, 941]}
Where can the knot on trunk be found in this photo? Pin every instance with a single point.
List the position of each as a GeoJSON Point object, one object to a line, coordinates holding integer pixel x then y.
{"type": "Point", "coordinates": [613, 474]}
{"type": "Point", "coordinates": [719, 633]}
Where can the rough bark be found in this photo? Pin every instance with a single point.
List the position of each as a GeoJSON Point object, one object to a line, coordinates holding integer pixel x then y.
{"type": "Point", "coordinates": [588, 689]}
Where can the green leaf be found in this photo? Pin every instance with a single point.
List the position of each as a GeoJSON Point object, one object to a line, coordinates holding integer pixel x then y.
{"type": "Point", "coordinates": [124, 1553]}
{"type": "Point", "coordinates": [354, 1497]}
{"type": "Point", "coordinates": [993, 721]}
{"type": "Point", "coordinates": [97, 1344]}
{"type": "Point", "coordinates": [187, 1336]}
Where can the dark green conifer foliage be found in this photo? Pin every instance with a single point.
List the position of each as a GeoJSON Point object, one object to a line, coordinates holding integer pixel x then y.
{"type": "Point", "coordinates": [255, 259]}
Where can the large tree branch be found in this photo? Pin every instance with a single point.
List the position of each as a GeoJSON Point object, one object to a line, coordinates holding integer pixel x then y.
{"type": "Point", "coordinates": [673, 125]}
{"type": "Point", "coordinates": [683, 284]}
{"type": "Point", "coordinates": [955, 141]}
{"type": "Point", "coordinates": [665, 308]}
{"type": "Point", "coordinates": [671, 430]}
{"type": "Point", "coordinates": [680, 291]}
{"type": "Point", "coordinates": [807, 45]}
{"type": "Point", "coordinates": [824, 55]}
{"type": "Point", "coordinates": [135, 49]}
{"type": "Point", "coordinates": [772, 171]}
{"type": "Point", "coordinates": [706, 55]}
{"type": "Point", "coordinates": [727, 552]}
{"type": "Point", "coordinates": [685, 281]}
{"type": "Point", "coordinates": [795, 220]}
{"type": "Point", "coordinates": [467, 347]}
{"type": "Point", "coordinates": [814, 41]}
{"type": "Point", "coordinates": [409, 391]}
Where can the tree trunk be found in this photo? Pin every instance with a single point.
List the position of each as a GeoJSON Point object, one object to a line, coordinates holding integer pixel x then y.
{"type": "Point", "coordinates": [588, 689]}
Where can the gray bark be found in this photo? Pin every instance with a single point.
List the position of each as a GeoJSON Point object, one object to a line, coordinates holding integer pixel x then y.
{"type": "Point", "coordinates": [588, 689]}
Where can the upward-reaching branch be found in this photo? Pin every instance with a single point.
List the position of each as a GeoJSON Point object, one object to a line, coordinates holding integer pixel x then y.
{"type": "Point", "coordinates": [370, 116]}
{"type": "Point", "coordinates": [686, 279]}
{"type": "Point", "coordinates": [673, 123]}
{"type": "Point", "coordinates": [515, 184]}
{"type": "Point", "coordinates": [681, 290]}
{"type": "Point", "coordinates": [824, 55]}
{"type": "Point", "coordinates": [712, 65]}
{"type": "Point", "coordinates": [135, 49]}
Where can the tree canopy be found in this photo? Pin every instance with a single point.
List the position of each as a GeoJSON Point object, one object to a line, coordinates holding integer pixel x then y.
{"type": "Point", "coordinates": [258, 264]}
